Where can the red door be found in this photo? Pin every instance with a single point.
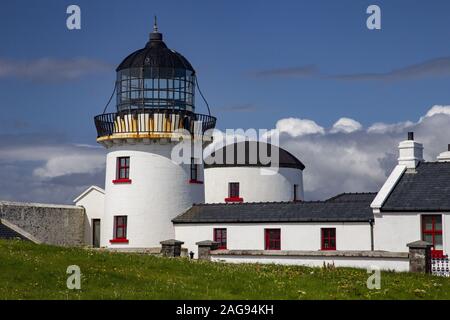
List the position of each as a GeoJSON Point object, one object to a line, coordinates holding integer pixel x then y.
{"type": "Point", "coordinates": [432, 232]}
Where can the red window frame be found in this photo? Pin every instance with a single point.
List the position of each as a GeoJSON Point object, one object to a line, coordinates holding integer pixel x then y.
{"type": "Point", "coordinates": [194, 172]}
{"type": "Point", "coordinates": [122, 165]}
{"type": "Point", "coordinates": [233, 193]}
{"type": "Point", "coordinates": [220, 236]}
{"type": "Point", "coordinates": [328, 239]}
{"type": "Point", "coordinates": [433, 231]}
{"type": "Point", "coordinates": [272, 239]}
{"type": "Point", "coordinates": [120, 223]}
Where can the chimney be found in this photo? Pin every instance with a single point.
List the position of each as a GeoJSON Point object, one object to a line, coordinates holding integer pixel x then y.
{"type": "Point", "coordinates": [444, 156]}
{"type": "Point", "coordinates": [410, 152]}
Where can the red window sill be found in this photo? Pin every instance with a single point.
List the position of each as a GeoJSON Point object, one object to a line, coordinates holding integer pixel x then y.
{"type": "Point", "coordinates": [195, 181]}
{"type": "Point", "coordinates": [118, 181]}
{"type": "Point", "coordinates": [234, 199]}
{"type": "Point", "coordinates": [118, 241]}
{"type": "Point", "coordinates": [329, 249]}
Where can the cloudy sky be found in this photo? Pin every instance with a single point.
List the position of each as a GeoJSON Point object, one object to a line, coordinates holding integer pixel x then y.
{"type": "Point", "coordinates": [342, 95]}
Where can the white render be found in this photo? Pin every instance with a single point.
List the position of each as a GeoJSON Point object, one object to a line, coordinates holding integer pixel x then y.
{"type": "Point", "coordinates": [396, 264]}
{"type": "Point", "coordinates": [387, 187]}
{"type": "Point", "coordinates": [393, 230]}
{"type": "Point", "coordinates": [93, 202]}
{"type": "Point", "coordinates": [256, 184]}
{"type": "Point", "coordinates": [158, 192]}
{"type": "Point", "coordinates": [294, 236]}
{"type": "Point", "coordinates": [410, 153]}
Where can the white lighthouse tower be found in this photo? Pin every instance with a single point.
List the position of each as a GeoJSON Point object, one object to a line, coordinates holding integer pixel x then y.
{"type": "Point", "coordinates": [144, 187]}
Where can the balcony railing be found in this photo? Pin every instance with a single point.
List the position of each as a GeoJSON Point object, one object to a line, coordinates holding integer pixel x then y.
{"type": "Point", "coordinates": [152, 121]}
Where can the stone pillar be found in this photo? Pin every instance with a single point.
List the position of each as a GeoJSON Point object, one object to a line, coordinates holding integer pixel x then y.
{"type": "Point", "coordinates": [420, 256]}
{"type": "Point", "coordinates": [171, 248]}
{"type": "Point", "coordinates": [205, 248]}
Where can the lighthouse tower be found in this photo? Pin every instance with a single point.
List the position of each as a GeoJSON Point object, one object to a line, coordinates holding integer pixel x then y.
{"type": "Point", "coordinates": [145, 188]}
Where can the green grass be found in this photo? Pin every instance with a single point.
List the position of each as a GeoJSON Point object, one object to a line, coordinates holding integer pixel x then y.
{"type": "Point", "coordinates": [29, 271]}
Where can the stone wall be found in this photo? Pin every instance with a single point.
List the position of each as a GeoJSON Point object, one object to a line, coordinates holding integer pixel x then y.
{"type": "Point", "coordinates": [52, 224]}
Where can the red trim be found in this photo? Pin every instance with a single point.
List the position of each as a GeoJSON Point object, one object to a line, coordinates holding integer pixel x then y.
{"type": "Point", "coordinates": [433, 231]}
{"type": "Point", "coordinates": [118, 181]}
{"type": "Point", "coordinates": [272, 239]}
{"type": "Point", "coordinates": [118, 241]}
{"type": "Point", "coordinates": [237, 199]}
{"type": "Point", "coordinates": [193, 181]}
{"type": "Point", "coordinates": [327, 237]}
{"type": "Point", "coordinates": [220, 236]}
{"type": "Point", "coordinates": [123, 169]}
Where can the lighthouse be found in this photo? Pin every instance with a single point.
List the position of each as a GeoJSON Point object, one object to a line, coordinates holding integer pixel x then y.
{"type": "Point", "coordinates": [145, 188]}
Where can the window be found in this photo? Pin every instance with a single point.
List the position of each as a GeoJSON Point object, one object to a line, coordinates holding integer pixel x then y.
{"type": "Point", "coordinates": [272, 239]}
{"type": "Point", "coordinates": [220, 236]}
{"type": "Point", "coordinates": [233, 193]}
{"type": "Point", "coordinates": [194, 172]}
{"type": "Point", "coordinates": [120, 229]}
{"type": "Point", "coordinates": [432, 231]}
{"type": "Point", "coordinates": [328, 239]}
{"type": "Point", "coordinates": [123, 170]}
{"type": "Point", "coordinates": [296, 192]}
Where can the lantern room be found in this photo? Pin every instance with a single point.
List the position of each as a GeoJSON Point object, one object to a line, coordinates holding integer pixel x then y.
{"type": "Point", "coordinates": [155, 77]}
{"type": "Point", "coordinates": [155, 92]}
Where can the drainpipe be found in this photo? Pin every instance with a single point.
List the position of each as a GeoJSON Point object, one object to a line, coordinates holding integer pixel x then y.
{"type": "Point", "coordinates": [371, 235]}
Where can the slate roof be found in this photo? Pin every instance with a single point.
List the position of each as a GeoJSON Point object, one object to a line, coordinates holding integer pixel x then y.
{"type": "Point", "coordinates": [7, 233]}
{"type": "Point", "coordinates": [426, 189]}
{"type": "Point", "coordinates": [285, 158]}
{"type": "Point", "coordinates": [353, 197]}
{"type": "Point", "coordinates": [307, 211]}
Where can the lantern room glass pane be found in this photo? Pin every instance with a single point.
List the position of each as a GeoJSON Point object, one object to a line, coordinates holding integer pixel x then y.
{"type": "Point", "coordinates": [166, 88]}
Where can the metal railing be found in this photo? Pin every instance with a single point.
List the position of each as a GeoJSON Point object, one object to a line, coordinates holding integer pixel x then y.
{"type": "Point", "coordinates": [158, 121]}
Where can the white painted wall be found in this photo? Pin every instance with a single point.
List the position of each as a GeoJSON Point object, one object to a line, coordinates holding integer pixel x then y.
{"type": "Point", "coordinates": [397, 264]}
{"type": "Point", "coordinates": [294, 236]}
{"type": "Point", "coordinates": [159, 191]}
{"type": "Point", "coordinates": [392, 230]}
{"type": "Point", "coordinates": [93, 202]}
{"type": "Point", "coordinates": [256, 184]}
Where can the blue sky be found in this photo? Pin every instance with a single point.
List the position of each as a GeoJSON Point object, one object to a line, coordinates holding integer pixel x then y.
{"type": "Point", "coordinates": [230, 43]}
{"type": "Point", "coordinates": [257, 62]}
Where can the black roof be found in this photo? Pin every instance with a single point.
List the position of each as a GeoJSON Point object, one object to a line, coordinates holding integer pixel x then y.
{"type": "Point", "coordinates": [286, 159]}
{"type": "Point", "coordinates": [155, 55]}
{"type": "Point", "coordinates": [7, 233]}
{"type": "Point", "coordinates": [354, 197]}
{"type": "Point", "coordinates": [308, 211]}
{"type": "Point", "coordinates": [427, 188]}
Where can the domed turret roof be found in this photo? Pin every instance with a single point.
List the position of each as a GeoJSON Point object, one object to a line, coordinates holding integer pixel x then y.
{"type": "Point", "coordinates": [285, 159]}
{"type": "Point", "coordinates": [155, 54]}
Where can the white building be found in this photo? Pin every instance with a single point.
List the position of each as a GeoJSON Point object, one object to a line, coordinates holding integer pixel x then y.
{"type": "Point", "coordinates": [232, 174]}
{"type": "Point", "coordinates": [145, 188]}
{"type": "Point", "coordinates": [253, 212]}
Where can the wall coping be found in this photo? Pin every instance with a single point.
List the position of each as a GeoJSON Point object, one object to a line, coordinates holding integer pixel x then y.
{"type": "Point", "coordinates": [295, 253]}
{"type": "Point", "coordinates": [40, 205]}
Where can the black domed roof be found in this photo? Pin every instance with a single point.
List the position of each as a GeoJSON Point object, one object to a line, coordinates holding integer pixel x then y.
{"type": "Point", "coordinates": [157, 55]}
{"type": "Point", "coordinates": [285, 160]}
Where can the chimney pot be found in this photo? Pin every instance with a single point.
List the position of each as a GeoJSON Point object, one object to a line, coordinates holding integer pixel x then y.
{"type": "Point", "coordinates": [410, 135]}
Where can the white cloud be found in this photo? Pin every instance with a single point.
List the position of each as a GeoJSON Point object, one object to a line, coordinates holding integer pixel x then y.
{"type": "Point", "coordinates": [357, 161]}
{"type": "Point", "coordinates": [299, 127]}
{"type": "Point", "coordinates": [437, 109]}
{"type": "Point", "coordinates": [51, 69]}
{"type": "Point", "coordinates": [360, 160]}
{"type": "Point", "coordinates": [380, 127]}
{"type": "Point", "coordinates": [346, 125]}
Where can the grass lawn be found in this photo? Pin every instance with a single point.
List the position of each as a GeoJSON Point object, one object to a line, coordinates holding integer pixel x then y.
{"type": "Point", "coordinates": [30, 271]}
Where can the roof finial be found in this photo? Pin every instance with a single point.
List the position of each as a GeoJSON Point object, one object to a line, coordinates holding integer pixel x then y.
{"type": "Point", "coordinates": [155, 25]}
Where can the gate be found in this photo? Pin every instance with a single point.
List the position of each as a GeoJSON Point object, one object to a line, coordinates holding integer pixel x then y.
{"type": "Point", "coordinates": [439, 265]}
